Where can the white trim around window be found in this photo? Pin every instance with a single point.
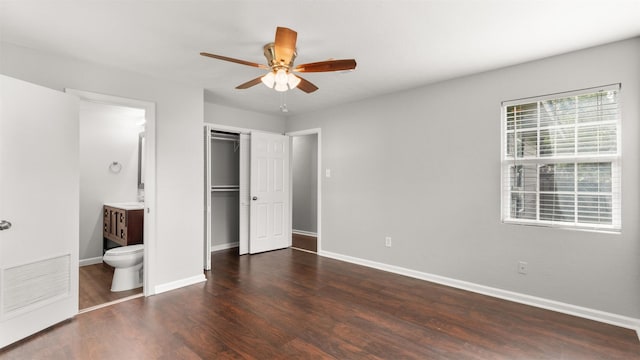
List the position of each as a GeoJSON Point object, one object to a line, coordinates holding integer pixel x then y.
{"type": "Point", "coordinates": [561, 160]}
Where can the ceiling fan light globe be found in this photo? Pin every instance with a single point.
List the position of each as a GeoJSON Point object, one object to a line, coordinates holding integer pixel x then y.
{"type": "Point", "coordinates": [269, 80]}
{"type": "Point", "coordinates": [281, 77]}
{"type": "Point", "coordinates": [293, 81]}
{"type": "Point", "coordinates": [281, 87]}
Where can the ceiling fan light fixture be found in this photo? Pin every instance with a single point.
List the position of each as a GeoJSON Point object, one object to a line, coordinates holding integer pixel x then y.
{"type": "Point", "coordinates": [269, 80]}
{"type": "Point", "coordinates": [280, 80]}
{"type": "Point", "coordinates": [293, 81]}
{"type": "Point", "coordinates": [281, 76]}
{"type": "Point", "coordinates": [281, 87]}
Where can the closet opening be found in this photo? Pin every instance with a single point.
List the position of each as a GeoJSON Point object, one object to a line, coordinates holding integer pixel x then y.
{"type": "Point", "coordinates": [247, 191]}
{"type": "Point", "coordinates": [225, 190]}
{"type": "Point", "coordinates": [226, 216]}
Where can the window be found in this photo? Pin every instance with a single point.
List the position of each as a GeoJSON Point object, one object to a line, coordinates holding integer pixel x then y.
{"type": "Point", "coordinates": [561, 160]}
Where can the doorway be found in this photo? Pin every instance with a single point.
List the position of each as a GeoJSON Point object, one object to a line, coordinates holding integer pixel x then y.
{"type": "Point", "coordinates": [226, 190]}
{"type": "Point", "coordinates": [305, 190]}
{"type": "Point", "coordinates": [255, 165]}
{"type": "Point", "coordinates": [117, 167]}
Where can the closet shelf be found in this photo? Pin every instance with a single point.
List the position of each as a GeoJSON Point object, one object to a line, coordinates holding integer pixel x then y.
{"type": "Point", "coordinates": [225, 138]}
{"type": "Point", "coordinates": [216, 188]}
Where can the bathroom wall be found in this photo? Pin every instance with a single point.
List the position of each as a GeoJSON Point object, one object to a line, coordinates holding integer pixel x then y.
{"type": "Point", "coordinates": [107, 133]}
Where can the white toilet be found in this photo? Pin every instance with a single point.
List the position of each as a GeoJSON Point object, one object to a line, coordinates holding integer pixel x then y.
{"type": "Point", "coordinates": [127, 260]}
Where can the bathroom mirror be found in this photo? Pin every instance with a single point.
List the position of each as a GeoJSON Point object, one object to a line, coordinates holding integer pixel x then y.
{"type": "Point", "coordinates": [141, 148]}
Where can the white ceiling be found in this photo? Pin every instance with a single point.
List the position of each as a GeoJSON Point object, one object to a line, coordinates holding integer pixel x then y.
{"type": "Point", "coordinates": [398, 44]}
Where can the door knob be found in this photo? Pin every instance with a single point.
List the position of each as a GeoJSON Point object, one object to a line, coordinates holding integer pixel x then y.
{"type": "Point", "coordinates": [254, 198]}
{"type": "Point", "coordinates": [5, 225]}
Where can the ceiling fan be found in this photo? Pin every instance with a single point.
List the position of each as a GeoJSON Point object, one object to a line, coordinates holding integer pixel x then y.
{"type": "Point", "coordinates": [280, 55]}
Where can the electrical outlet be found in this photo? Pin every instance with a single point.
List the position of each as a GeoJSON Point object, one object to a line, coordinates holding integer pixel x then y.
{"type": "Point", "coordinates": [522, 267]}
{"type": "Point", "coordinates": [387, 241]}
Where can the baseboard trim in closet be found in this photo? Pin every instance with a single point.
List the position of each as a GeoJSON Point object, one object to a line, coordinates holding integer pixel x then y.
{"type": "Point", "coordinates": [226, 246]}
{"type": "Point", "coordinates": [303, 232]}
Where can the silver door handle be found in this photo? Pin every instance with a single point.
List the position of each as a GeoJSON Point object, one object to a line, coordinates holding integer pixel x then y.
{"type": "Point", "coordinates": [254, 198]}
{"type": "Point", "coordinates": [5, 225]}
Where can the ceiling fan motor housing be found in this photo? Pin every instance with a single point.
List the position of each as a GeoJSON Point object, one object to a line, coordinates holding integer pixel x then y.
{"type": "Point", "coordinates": [274, 63]}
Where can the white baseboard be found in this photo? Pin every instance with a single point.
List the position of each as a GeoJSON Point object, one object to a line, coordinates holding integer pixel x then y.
{"type": "Point", "coordinates": [587, 313]}
{"type": "Point", "coordinates": [302, 232]}
{"type": "Point", "coordinates": [90, 261]}
{"type": "Point", "coordinates": [179, 283]}
{"type": "Point", "coordinates": [225, 246]}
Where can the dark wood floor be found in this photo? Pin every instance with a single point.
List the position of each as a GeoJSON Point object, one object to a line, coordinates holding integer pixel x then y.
{"type": "Point", "coordinates": [95, 286]}
{"type": "Point", "coordinates": [292, 304]}
{"type": "Point", "coordinates": [304, 242]}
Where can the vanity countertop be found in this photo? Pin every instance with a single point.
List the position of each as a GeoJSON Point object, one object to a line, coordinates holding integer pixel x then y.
{"type": "Point", "coordinates": [127, 205]}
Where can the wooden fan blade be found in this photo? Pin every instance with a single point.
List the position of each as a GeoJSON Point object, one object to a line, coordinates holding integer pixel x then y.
{"type": "Point", "coordinates": [329, 65]}
{"type": "Point", "coordinates": [306, 86]}
{"type": "Point", "coordinates": [250, 83]}
{"type": "Point", "coordinates": [237, 61]}
{"type": "Point", "coordinates": [285, 45]}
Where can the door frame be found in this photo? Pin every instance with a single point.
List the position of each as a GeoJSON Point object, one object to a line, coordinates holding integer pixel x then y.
{"type": "Point", "coordinates": [318, 132]}
{"type": "Point", "coordinates": [149, 233]}
{"type": "Point", "coordinates": [240, 131]}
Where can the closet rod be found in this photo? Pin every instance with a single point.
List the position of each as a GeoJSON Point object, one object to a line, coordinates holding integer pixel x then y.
{"type": "Point", "coordinates": [221, 190]}
{"type": "Point", "coordinates": [225, 186]}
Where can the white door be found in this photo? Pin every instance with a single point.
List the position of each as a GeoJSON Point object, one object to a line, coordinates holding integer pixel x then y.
{"type": "Point", "coordinates": [270, 228]}
{"type": "Point", "coordinates": [39, 196]}
{"type": "Point", "coordinates": [245, 195]}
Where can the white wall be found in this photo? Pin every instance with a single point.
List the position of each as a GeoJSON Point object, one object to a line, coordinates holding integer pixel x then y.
{"type": "Point", "coordinates": [107, 133]}
{"type": "Point", "coordinates": [304, 186]}
{"type": "Point", "coordinates": [179, 148]}
{"type": "Point", "coordinates": [423, 166]}
{"type": "Point", "coordinates": [229, 116]}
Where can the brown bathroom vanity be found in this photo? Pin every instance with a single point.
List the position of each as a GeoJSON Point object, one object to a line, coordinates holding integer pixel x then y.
{"type": "Point", "coordinates": [122, 224]}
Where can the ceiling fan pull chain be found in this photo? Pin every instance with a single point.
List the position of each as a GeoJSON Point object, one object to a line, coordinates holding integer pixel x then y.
{"type": "Point", "coordinates": [283, 102]}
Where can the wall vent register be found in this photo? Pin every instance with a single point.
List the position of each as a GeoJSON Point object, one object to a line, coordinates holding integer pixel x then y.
{"type": "Point", "coordinates": [35, 284]}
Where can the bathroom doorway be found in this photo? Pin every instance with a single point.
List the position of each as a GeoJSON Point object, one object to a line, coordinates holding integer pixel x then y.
{"type": "Point", "coordinates": [305, 190]}
{"type": "Point", "coordinates": [116, 168]}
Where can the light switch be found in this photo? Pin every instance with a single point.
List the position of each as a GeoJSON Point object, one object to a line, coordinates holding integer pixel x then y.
{"type": "Point", "coordinates": [327, 172]}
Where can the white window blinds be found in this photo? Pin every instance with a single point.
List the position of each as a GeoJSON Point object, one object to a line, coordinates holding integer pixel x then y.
{"type": "Point", "coordinates": [561, 160]}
